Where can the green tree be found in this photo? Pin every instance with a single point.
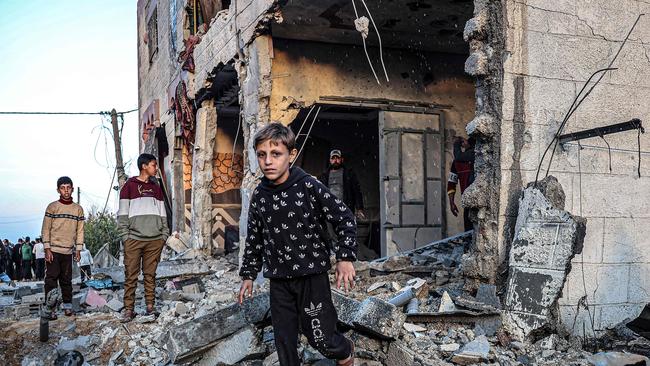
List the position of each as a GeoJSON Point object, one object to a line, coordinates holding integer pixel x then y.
{"type": "Point", "coordinates": [101, 228]}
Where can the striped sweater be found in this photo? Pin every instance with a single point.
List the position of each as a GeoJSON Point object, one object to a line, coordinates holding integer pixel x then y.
{"type": "Point", "coordinates": [63, 227]}
{"type": "Point", "coordinates": [142, 214]}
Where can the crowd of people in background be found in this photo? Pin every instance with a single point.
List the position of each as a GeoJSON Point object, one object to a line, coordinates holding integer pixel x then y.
{"type": "Point", "coordinates": [22, 261]}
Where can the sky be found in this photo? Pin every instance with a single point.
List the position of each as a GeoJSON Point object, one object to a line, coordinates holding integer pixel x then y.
{"type": "Point", "coordinates": [72, 56]}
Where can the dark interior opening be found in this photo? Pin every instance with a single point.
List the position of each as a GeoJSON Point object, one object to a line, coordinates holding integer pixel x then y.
{"type": "Point", "coordinates": [355, 132]}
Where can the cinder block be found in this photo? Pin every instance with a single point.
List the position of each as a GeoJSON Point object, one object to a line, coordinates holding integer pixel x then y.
{"type": "Point", "coordinates": [612, 281]}
{"type": "Point", "coordinates": [611, 315]}
{"type": "Point", "coordinates": [639, 284]}
{"type": "Point", "coordinates": [619, 241]}
{"type": "Point", "coordinates": [580, 324]}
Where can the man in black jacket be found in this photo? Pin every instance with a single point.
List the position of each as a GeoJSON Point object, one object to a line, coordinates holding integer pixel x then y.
{"type": "Point", "coordinates": [343, 183]}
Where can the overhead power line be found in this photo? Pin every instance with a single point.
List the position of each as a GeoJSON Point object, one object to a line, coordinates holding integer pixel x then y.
{"type": "Point", "coordinates": [70, 113]}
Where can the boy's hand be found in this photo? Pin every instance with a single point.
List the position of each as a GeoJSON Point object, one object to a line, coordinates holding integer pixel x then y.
{"type": "Point", "coordinates": [246, 286]}
{"type": "Point", "coordinates": [345, 273]}
{"type": "Point", "coordinates": [77, 256]}
{"type": "Point", "coordinates": [49, 257]}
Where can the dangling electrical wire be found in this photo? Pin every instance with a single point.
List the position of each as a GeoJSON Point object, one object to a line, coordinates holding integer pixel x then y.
{"type": "Point", "coordinates": [381, 50]}
{"type": "Point", "coordinates": [575, 106]}
{"type": "Point", "coordinates": [361, 26]}
{"type": "Point", "coordinates": [305, 120]}
{"type": "Point", "coordinates": [609, 152]}
{"type": "Point", "coordinates": [232, 157]}
{"type": "Point", "coordinates": [307, 136]}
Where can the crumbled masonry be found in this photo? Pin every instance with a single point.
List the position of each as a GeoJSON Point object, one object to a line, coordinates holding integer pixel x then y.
{"type": "Point", "coordinates": [201, 324]}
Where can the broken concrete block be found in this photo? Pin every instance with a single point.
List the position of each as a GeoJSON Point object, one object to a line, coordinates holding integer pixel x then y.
{"type": "Point", "coordinates": [473, 352]}
{"type": "Point", "coordinates": [241, 345]}
{"type": "Point", "coordinates": [94, 299]}
{"type": "Point", "coordinates": [375, 286]}
{"type": "Point", "coordinates": [392, 264]}
{"type": "Point", "coordinates": [380, 318]}
{"type": "Point", "coordinates": [191, 289]}
{"type": "Point", "coordinates": [546, 240]}
{"type": "Point", "coordinates": [409, 327]}
{"type": "Point", "coordinates": [477, 63]}
{"type": "Point", "coordinates": [80, 344]}
{"type": "Point", "coordinates": [198, 335]}
{"type": "Point", "coordinates": [346, 308]}
{"type": "Point", "coordinates": [175, 295]}
{"type": "Point", "coordinates": [21, 311]}
{"type": "Point", "coordinates": [476, 27]}
{"type": "Point", "coordinates": [487, 294]}
{"type": "Point", "coordinates": [22, 291]}
{"type": "Point", "coordinates": [617, 358]}
{"type": "Point", "coordinates": [143, 319]}
{"type": "Point", "coordinates": [399, 355]}
{"type": "Point", "coordinates": [449, 347]}
{"type": "Point", "coordinates": [180, 308]}
{"type": "Point", "coordinates": [33, 299]}
{"type": "Point", "coordinates": [115, 305]}
{"type": "Point", "coordinates": [166, 269]}
{"type": "Point", "coordinates": [446, 304]}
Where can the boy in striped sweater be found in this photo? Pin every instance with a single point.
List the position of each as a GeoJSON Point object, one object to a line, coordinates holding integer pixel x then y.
{"type": "Point", "coordinates": [63, 237]}
{"type": "Point", "coordinates": [142, 222]}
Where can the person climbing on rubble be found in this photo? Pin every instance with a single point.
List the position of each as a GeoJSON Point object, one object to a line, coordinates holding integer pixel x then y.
{"type": "Point", "coordinates": [461, 172]}
{"type": "Point", "coordinates": [343, 183]}
{"type": "Point", "coordinates": [63, 237]}
{"type": "Point", "coordinates": [285, 241]}
{"type": "Point", "coordinates": [142, 223]}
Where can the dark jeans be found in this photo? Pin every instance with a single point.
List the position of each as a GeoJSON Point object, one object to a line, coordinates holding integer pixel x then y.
{"type": "Point", "coordinates": [27, 269]}
{"type": "Point", "coordinates": [40, 268]}
{"type": "Point", "coordinates": [59, 273]}
{"type": "Point", "coordinates": [466, 221]}
{"type": "Point", "coordinates": [305, 304]}
{"type": "Point", "coordinates": [85, 273]}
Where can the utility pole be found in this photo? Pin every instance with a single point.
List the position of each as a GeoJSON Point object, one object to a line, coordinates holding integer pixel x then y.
{"type": "Point", "coordinates": [78, 195]}
{"type": "Point", "coordinates": [117, 139]}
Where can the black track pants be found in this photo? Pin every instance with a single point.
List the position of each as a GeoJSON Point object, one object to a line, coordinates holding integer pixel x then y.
{"type": "Point", "coordinates": [305, 305]}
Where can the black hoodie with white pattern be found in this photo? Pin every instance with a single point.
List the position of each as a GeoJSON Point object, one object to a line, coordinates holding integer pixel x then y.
{"type": "Point", "coordinates": [287, 229]}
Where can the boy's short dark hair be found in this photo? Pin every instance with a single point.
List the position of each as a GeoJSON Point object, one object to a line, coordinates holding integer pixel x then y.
{"type": "Point", "coordinates": [63, 180]}
{"type": "Point", "coordinates": [277, 133]}
{"type": "Point", "coordinates": [145, 159]}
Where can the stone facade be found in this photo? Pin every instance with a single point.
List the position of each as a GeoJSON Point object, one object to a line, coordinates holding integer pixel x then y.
{"type": "Point", "coordinates": [552, 47]}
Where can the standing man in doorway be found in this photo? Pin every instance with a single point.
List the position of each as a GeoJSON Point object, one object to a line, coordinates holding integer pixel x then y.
{"type": "Point", "coordinates": [343, 183]}
{"type": "Point", "coordinates": [462, 172]}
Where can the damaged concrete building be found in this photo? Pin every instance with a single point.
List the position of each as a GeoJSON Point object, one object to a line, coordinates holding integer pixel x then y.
{"type": "Point", "coordinates": [392, 84]}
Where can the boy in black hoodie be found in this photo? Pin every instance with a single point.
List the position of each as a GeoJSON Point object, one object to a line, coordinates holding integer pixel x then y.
{"type": "Point", "coordinates": [287, 224]}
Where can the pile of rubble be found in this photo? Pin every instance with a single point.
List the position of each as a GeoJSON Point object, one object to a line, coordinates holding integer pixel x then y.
{"type": "Point", "coordinates": [409, 309]}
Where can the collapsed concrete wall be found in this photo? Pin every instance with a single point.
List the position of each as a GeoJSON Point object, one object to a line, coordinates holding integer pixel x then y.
{"type": "Point", "coordinates": [485, 33]}
{"type": "Point", "coordinates": [546, 240]}
{"type": "Point", "coordinates": [551, 50]}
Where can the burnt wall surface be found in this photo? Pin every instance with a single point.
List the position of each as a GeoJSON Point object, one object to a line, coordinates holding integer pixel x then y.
{"type": "Point", "coordinates": [552, 47]}
{"type": "Point", "coordinates": [486, 36]}
{"type": "Point", "coordinates": [303, 72]}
